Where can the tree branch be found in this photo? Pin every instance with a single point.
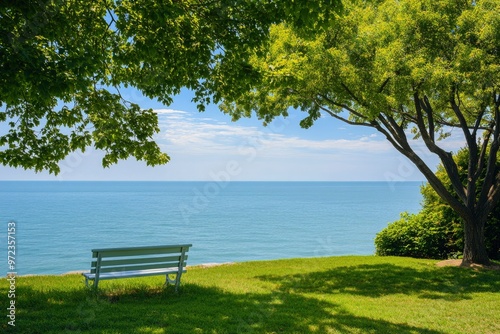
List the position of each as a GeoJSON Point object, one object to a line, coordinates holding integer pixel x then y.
{"type": "Point", "coordinates": [478, 122]}
{"type": "Point", "coordinates": [446, 157]}
{"type": "Point", "coordinates": [340, 118]}
{"type": "Point", "coordinates": [389, 136]}
{"type": "Point", "coordinates": [430, 118]}
{"type": "Point", "coordinates": [384, 84]}
{"type": "Point", "coordinates": [489, 192]}
{"type": "Point", "coordinates": [374, 124]}
{"type": "Point", "coordinates": [471, 142]}
{"type": "Point", "coordinates": [472, 171]}
{"type": "Point", "coordinates": [457, 125]}
{"type": "Point", "coordinates": [406, 115]}
{"type": "Point", "coordinates": [396, 131]}
{"type": "Point", "coordinates": [355, 98]}
{"type": "Point", "coordinates": [482, 154]}
{"type": "Point", "coordinates": [340, 105]}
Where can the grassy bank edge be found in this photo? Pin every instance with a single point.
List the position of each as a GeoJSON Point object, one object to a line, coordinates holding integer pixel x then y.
{"type": "Point", "coordinates": [347, 294]}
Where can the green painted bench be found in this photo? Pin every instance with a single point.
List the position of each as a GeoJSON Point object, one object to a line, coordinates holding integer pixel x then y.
{"type": "Point", "coordinates": [113, 263]}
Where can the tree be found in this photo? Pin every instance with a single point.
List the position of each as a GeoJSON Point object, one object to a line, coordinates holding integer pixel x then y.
{"type": "Point", "coordinates": [408, 69]}
{"type": "Point", "coordinates": [436, 231]}
{"type": "Point", "coordinates": [64, 62]}
{"type": "Point", "coordinates": [453, 227]}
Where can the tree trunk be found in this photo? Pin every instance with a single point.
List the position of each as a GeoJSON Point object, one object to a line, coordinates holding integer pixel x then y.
{"type": "Point", "coordinates": [474, 245]}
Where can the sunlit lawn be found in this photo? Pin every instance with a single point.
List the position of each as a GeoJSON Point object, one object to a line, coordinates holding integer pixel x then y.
{"type": "Point", "coordinates": [362, 294]}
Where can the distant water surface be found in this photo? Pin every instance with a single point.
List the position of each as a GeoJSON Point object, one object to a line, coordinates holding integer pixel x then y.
{"type": "Point", "coordinates": [58, 223]}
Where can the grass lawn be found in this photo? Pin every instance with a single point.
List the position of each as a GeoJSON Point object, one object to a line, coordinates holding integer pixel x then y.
{"type": "Point", "coordinates": [352, 294]}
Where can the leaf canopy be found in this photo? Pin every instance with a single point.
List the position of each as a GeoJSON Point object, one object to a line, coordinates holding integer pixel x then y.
{"type": "Point", "coordinates": [64, 62]}
{"type": "Point", "coordinates": [373, 58]}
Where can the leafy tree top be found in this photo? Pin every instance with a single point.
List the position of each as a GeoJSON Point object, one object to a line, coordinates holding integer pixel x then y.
{"type": "Point", "coordinates": [374, 58]}
{"type": "Point", "coordinates": [63, 63]}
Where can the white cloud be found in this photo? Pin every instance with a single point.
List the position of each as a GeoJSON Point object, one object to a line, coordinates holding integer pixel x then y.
{"type": "Point", "coordinates": [169, 111]}
{"type": "Point", "coordinates": [181, 131]}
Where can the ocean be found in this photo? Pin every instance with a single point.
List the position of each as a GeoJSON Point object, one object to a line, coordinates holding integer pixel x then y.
{"type": "Point", "coordinates": [57, 223]}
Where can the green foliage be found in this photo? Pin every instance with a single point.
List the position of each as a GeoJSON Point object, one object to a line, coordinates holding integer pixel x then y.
{"type": "Point", "coordinates": [419, 236]}
{"type": "Point", "coordinates": [374, 56]}
{"type": "Point", "coordinates": [437, 231]}
{"type": "Point", "coordinates": [63, 63]}
{"type": "Point", "coordinates": [55, 61]}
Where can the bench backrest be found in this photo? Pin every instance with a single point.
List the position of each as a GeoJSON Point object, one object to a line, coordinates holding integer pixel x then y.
{"type": "Point", "coordinates": [138, 258]}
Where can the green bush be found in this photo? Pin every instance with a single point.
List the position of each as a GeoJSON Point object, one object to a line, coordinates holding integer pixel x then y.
{"type": "Point", "coordinates": [416, 235]}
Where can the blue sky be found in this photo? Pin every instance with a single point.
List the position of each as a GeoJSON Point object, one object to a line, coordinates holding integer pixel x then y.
{"type": "Point", "coordinates": [209, 146]}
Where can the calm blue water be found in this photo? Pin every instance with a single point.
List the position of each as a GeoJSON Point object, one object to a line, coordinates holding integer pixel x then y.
{"type": "Point", "coordinates": [58, 223]}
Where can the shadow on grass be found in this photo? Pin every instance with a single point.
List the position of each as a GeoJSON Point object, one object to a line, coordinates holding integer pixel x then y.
{"type": "Point", "coordinates": [449, 283]}
{"type": "Point", "coordinates": [195, 309]}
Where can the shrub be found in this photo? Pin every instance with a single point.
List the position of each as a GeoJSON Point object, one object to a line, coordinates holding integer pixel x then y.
{"type": "Point", "coordinates": [416, 235]}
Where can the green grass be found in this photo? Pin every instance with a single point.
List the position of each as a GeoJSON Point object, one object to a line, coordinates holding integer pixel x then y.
{"type": "Point", "coordinates": [362, 294]}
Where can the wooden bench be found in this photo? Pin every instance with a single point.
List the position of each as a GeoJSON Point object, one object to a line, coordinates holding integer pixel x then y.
{"type": "Point", "coordinates": [111, 263]}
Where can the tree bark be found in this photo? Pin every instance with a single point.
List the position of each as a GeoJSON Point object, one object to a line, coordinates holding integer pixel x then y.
{"type": "Point", "coordinates": [474, 244]}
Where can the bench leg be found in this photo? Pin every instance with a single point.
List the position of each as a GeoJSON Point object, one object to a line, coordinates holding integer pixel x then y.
{"type": "Point", "coordinates": [94, 285]}
{"type": "Point", "coordinates": [173, 281]}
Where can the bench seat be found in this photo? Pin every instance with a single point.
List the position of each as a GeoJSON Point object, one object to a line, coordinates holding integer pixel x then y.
{"type": "Point", "coordinates": [133, 273]}
{"type": "Point", "coordinates": [114, 263]}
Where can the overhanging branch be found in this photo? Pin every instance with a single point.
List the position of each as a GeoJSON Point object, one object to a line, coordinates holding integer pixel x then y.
{"type": "Point", "coordinates": [340, 105]}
